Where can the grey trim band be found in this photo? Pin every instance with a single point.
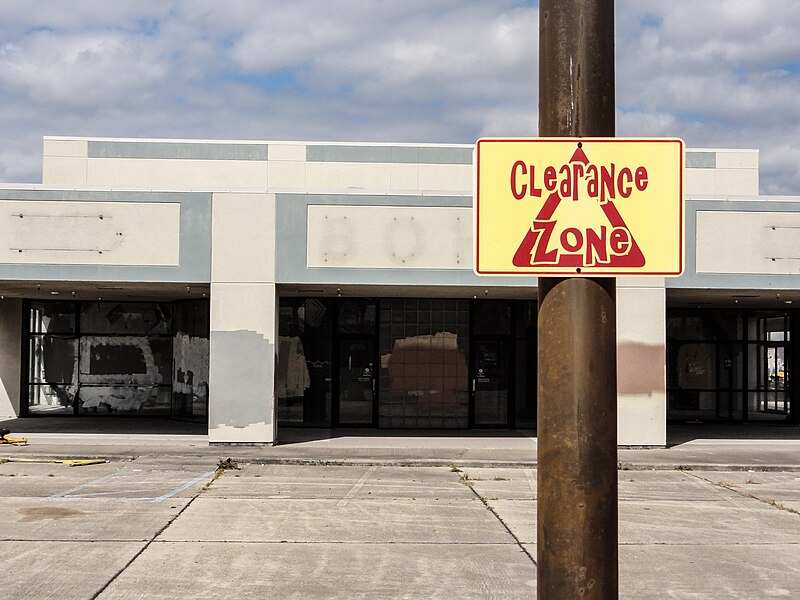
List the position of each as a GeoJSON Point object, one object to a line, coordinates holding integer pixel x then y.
{"type": "Point", "coordinates": [701, 160]}
{"type": "Point", "coordinates": [291, 212]}
{"type": "Point", "coordinates": [177, 150]}
{"type": "Point", "coordinates": [691, 279]}
{"type": "Point", "coordinates": [195, 241]}
{"type": "Point", "coordinates": [390, 154]}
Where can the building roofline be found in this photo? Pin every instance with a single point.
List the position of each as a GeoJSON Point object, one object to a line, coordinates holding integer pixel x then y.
{"type": "Point", "coordinates": [312, 142]}
{"type": "Point", "coordinates": [254, 142]}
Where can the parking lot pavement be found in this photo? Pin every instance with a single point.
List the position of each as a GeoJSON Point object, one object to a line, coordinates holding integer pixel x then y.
{"type": "Point", "coordinates": [682, 534]}
{"type": "Point", "coordinates": [66, 531]}
{"type": "Point", "coordinates": [172, 527]}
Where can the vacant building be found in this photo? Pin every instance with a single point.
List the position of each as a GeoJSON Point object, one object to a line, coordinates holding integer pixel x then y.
{"type": "Point", "coordinates": [262, 285]}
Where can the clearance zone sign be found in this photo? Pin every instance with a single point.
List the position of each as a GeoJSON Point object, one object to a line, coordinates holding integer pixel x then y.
{"type": "Point", "coordinates": [587, 207]}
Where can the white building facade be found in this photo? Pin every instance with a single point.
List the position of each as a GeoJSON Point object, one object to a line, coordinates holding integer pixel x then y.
{"type": "Point", "coordinates": [262, 285]}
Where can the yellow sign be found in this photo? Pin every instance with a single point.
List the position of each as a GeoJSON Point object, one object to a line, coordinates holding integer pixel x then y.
{"type": "Point", "coordinates": [588, 207]}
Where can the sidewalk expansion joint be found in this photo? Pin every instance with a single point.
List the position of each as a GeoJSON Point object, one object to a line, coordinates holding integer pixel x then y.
{"type": "Point", "coordinates": [336, 542]}
{"type": "Point", "coordinates": [768, 501]}
{"type": "Point", "coordinates": [690, 466]}
{"type": "Point", "coordinates": [503, 523]}
{"type": "Point", "coordinates": [700, 545]}
{"type": "Point", "coordinates": [72, 541]}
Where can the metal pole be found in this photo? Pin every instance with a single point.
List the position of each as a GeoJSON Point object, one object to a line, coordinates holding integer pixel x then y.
{"type": "Point", "coordinates": [577, 395]}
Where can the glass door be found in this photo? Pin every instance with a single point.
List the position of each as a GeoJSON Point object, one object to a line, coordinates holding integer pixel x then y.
{"type": "Point", "coordinates": [776, 398]}
{"type": "Point", "coordinates": [730, 391]}
{"type": "Point", "coordinates": [490, 381]}
{"type": "Point", "coordinates": [356, 382]}
{"type": "Point", "coordinates": [769, 358]}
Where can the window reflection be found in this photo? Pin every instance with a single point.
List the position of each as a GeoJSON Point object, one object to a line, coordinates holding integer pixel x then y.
{"type": "Point", "coordinates": [305, 361]}
{"type": "Point", "coordinates": [424, 362]}
{"type": "Point", "coordinates": [118, 357]}
{"type": "Point", "coordinates": [728, 365]}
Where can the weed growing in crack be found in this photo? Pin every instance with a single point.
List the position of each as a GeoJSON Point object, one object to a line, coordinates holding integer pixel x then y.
{"type": "Point", "coordinates": [224, 464]}
{"type": "Point", "coordinates": [227, 464]}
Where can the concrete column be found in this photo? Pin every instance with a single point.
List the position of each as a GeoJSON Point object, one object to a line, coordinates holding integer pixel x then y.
{"type": "Point", "coordinates": [243, 319]}
{"type": "Point", "coordinates": [641, 362]}
{"type": "Point", "coordinates": [10, 357]}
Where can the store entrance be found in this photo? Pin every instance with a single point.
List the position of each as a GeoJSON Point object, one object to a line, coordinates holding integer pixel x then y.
{"type": "Point", "coordinates": [356, 404]}
{"type": "Point", "coordinates": [729, 365]}
{"type": "Point", "coordinates": [411, 363]}
{"type": "Point", "coordinates": [491, 366]}
{"type": "Point", "coordinates": [770, 393]}
{"type": "Point", "coordinates": [503, 363]}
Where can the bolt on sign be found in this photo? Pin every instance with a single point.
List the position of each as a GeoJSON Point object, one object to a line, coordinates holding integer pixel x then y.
{"type": "Point", "coordinates": [587, 207]}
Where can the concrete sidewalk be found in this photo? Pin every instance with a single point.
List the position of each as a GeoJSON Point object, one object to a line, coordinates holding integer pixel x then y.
{"type": "Point", "coordinates": [698, 447]}
{"type": "Point", "coordinates": [376, 514]}
{"type": "Point", "coordinates": [169, 527]}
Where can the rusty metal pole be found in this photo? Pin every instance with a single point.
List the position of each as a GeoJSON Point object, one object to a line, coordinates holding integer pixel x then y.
{"type": "Point", "coordinates": [577, 405]}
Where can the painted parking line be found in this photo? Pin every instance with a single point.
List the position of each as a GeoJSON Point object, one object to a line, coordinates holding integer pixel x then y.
{"type": "Point", "coordinates": [94, 483]}
{"type": "Point", "coordinates": [357, 486]}
{"type": "Point", "coordinates": [531, 480]}
{"type": "Point", "coordinates": [185, 486]}
{"type": "Point", "coordinates": [126, 483]}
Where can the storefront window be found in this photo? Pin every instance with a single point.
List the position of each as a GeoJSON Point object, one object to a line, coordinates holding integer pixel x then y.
{"type": "Point", "coordinates": [424, 354]}
{"type": "Point", "coordinates": [190, 354]}
{"type": "Point", "coordinates": [126, 318]}
{"type": "Point", "coordinates": [356, 316]}
{"type": "Point", "coordinates": [305, 361]}
{"type": "Point", "coordinates": [117, 358]}
{"type": "Point", "coordinates": [727, 365]}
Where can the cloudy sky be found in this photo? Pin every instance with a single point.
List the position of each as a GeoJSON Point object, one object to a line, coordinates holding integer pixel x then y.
{"type": "Point", "coordinates": [718, 73]}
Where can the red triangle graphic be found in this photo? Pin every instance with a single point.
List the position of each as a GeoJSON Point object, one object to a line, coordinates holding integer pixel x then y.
{"type": "Point", "coordinates": [538, 249]}
{"type": "Point", "coordinates": [599, 246]}
{"type": "Point", "coordinates": [579, 156]}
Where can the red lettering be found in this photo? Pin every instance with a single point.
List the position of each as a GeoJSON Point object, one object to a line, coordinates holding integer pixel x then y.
{"type": "Point", "coordinates": [624, 187]}
{"type": "Point", "coordinates": [640, 179]}
{"type": "Point", "coordinates": [550, 179]}
{"type": "Point", "coordinates": [534, 190]}
{"type": "Point", "coordinates": [564, 188]}
{"type": "Point", "coordinates": [590, 247]}
{"type": "Point", "coordinates": [518, 193]}
{"type": "Point", "coordinates": [596, 249]}
{"type": "Point", "coordinates": [575, 245]}
{"type": "Point", "coordinates": [577, 173]}
{"type": "Point", "coordinates": [592, 187]}
{"type": "Point", "coordinates": [607, 183]}
{"type": "Point", "coordinates": [620, 241]}
{"type": "Point", "coordinates": [544, 230]}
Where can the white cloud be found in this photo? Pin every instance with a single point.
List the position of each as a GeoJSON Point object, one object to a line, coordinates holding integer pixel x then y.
{"type": "Point", "coordinates": [724, 73]}
{"type": "Point", "coordinates": [79, 70]}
